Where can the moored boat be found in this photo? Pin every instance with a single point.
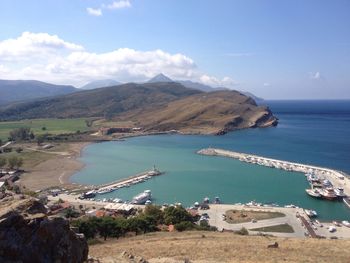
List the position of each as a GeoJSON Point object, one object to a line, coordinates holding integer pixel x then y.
{"type": "Point", "coordinates": [313, 192]}
{"type": "Point", "coordinates": [339, 192]}
{"type": "Point", "coordinates": [311, 213]}
{"type": "Point", "coordinates": [328, 193]}
{"type": "Point", "coordinates": [142, 198]}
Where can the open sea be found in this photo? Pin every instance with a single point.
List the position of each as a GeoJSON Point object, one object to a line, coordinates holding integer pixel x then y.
{"type": "Point", "coordinates": [309, 132]}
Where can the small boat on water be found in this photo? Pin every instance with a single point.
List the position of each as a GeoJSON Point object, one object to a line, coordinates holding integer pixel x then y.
{"type": "Point", "coordinates": [313, 192]}
{"type": "Point", "coordinates": [310, 213]}
{"type": "Point", "coordinates": [346, 200]}
{"type": "Point", "coordinates": [328, 193]}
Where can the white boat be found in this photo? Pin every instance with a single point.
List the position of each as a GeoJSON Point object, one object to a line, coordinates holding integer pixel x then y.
{"type": "Point", "coordinates": [142, 198]}
{"type": "Point", "coordinates": [332, 229]}
{"type": "Point", "coordinates": [346, 223]}
{"type": "Point", "coordinates": [311, 213]}
{"type": "Point", "coordinates": [105, 191]}
{"type": "Point", "coordinates": [313, 192]}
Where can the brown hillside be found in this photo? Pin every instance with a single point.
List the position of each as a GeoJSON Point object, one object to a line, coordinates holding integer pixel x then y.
{"type": "Point", "coordinates": [221, 247]}
{"type": "Point", "coordinates": [215, 112]}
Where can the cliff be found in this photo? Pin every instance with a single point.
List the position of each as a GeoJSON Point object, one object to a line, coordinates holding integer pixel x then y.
{"type": "Point", "coordinates": [27, 234]}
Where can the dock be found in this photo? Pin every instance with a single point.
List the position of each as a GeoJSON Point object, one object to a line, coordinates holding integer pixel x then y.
{"type": "Point", "coordinates": [337, 178]}
{"type": "Point", "coordinates": [125, 182]}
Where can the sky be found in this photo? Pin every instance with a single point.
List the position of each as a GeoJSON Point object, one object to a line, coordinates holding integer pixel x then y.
{"type": "Point", "coordinates": [292, 49]}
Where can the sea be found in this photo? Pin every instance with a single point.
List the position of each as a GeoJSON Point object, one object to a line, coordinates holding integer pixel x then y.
{"type": "Point", "coordinates": [309, 132]}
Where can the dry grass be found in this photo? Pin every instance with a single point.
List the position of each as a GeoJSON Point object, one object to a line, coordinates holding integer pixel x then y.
{"type": "Point", "coordinates": [283, 228]}
{"type": "Point", "coordinates": [223, 247]}
{"type": "Point", "coordinates": [242, 216]}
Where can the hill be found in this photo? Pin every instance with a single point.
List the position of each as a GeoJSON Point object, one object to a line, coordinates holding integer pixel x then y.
{"type": "Point", "coordinates": [98, 102]}
{"type": "Point", "coordinates": [210, 247]}
{"type": "Point", "coordinates": [18, 90]}
{"type": "Point", "coordinates": [100, 84]}
{"type": "Point", "coordinates": [214, 112]}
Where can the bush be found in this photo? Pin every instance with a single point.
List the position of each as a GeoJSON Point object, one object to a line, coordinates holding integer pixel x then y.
{"type": "Point", "coordinates": [185, 225]}
{"type": "Point", "coordinates": [243, 231]}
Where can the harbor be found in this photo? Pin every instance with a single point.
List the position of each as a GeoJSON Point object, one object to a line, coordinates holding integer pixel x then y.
{"type": "Point", "coordinates": [334, 178]}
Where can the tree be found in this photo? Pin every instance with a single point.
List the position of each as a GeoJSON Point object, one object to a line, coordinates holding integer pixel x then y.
{"type": "Point", "coordinates": [70, 213]}
{"type": "Point", "coordinates": [15, 162]}
{"type": "Point", "coordinates": [21, 134]}
{"type": "Point", "coordinates": [155, 212]}
{"type": "Point", "coordinates": [175, 215]}
{"type": "Point", "coordinates": [40, 139]}
{"type": "Point", "coordinates": [3, 162]}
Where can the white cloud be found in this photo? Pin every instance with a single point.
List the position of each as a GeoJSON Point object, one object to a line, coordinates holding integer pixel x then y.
{"type": "Point", "coordinates": [119, 4]}
{"type": "Point", "coordinates": [213, 81]}
{"type": "Point", "coordinates": [47, 57]}
{"type": "Point", "coordinates": [315, 75]}
{"type": "Point", "coordinates": [94, 11]}
{"type": "Point", "coordinates": [30, 45]}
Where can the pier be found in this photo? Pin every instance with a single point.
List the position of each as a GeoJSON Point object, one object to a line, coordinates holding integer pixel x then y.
{"type": "Point", "coordinates": [337, 178]}
{"type": "Point", "coordinates": [126, 182]}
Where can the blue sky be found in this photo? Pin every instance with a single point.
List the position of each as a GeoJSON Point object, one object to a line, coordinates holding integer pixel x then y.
{"type": "Point", "coordinates": [274, 49]}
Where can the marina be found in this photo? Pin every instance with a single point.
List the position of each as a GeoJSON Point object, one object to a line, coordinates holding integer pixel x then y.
{"type": "Point", "coordinates": [325, 183]}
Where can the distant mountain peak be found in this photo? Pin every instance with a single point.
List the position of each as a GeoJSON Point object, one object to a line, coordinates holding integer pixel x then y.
{"type": "Point", "coordinates": [101, 83]}
{"type": "Point", "coordinates": [160, 78]}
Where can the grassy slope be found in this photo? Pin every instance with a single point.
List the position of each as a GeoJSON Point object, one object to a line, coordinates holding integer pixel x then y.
{"type": "Point", "coordinates": [223, 247]}
{"type": "Point", "coordinates": [53, 126]}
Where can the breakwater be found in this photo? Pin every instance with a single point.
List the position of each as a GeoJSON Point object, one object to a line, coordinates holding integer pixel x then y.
{"type": "Point", "coordinates": [338, 178]}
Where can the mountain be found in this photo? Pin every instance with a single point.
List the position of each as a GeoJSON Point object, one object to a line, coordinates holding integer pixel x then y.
{"type": "Point", "coordinates": [18, 90]}
{"type": "Point", "coordinates": [216, 112]}
{"type": "Point", "coordinates": [98, 102]}
{"type": "Point", "coordinates": [160, 78]}
{"type": "Point", "coordinates": [198, 86]}
{"type": "Point", "coordinates": [160, 106]}
{"type": "Point", "coordinates": [100, 84]}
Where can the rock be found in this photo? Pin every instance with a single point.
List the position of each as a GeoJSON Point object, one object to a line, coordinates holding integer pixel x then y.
{"type": "Point", "coordinates": [28, 235]}
{"type": "Point", "coordinates": [275, 245]}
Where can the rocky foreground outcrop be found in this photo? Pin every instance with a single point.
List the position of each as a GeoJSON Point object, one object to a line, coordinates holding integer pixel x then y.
{"type": "Point", "coordinates": [27, 234]}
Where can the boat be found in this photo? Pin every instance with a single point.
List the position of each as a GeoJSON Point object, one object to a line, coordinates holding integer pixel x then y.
{"type": "Point", "coordinates": [328, 193]}
{"type": "Point", "coordinates": [310, 213]}
{"type": "Point", "coordinates": [346, 223]}
{"type": "Point", "coordinates": [217, 200]}
{"type": "Point", "coordinates": [105, 191]}
{"type": "Point", "coordinates": [148, 202]}
{"type": "Point", "coordinates": [327, 183]}
{"type": "Point", "coordinates": [313, 192]}
{"type": "Point", "coordinates": [339, 192]}
{"type": "Point", "coordinates": [141, 198]}
{"type": "Point", "coordinates": [346, 200]}
{"type": "Point", "coordinates": [206, 200]}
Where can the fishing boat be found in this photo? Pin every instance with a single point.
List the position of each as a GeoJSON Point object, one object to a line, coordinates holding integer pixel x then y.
{"type": "Point", "coordinates": [313, 192]}
{"type": "Point", "coordinates": [217, 200]}
{"type": "Point", "coordinates": [328, 193]}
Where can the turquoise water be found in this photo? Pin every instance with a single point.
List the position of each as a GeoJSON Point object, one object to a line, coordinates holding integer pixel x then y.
{"type": "Point", "coordinates": [305, 134]}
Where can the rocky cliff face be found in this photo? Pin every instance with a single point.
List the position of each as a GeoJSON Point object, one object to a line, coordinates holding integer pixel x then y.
{"type": "Point", "coordinates": [27, 234]}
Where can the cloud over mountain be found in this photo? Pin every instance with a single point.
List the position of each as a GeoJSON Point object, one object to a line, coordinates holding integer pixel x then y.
{"type": "Point", "coordinates": [49, 58]}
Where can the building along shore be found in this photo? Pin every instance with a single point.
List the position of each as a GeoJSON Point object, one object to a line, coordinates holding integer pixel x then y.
{"type": "Point", "coordinates": [337, 178]}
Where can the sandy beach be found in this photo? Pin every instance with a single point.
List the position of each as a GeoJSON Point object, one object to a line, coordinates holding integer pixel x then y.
{"type": "Point", "coordinates": [55, 171]}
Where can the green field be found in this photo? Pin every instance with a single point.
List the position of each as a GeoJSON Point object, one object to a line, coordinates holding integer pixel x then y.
{"type": "Point", "coordinates": [284, 228]}
{"type": "Point", "coordinates": [53, 126]}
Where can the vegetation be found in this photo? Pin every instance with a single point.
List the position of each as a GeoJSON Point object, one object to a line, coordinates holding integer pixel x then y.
{"type": "Point", "coordinates": [243, 232]}
{"type": "Point", "coordinates": [145, 222]}
{"type": "Point", "coordinates": [241, 216]}
{"type": "Point", "coordinates": [283, 228]}
{"type": "Point", "coordinates": [21, 134]}
{"type": "Point", "coordinates": [15, 162]}
{"type": "Point", "coordinates": [53, 126]}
